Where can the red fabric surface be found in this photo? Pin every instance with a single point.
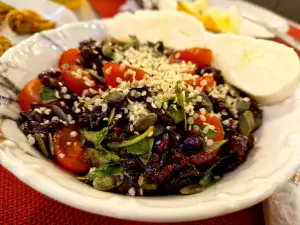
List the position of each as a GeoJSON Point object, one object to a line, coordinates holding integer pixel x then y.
{"type": "Point", "coordinates": [21, 205]}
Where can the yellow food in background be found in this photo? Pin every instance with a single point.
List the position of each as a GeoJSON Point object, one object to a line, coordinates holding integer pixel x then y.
{"type": "Point", "coordinates": [214, 19]}
{"type": "Point", "coordinates": [5, 44]}
{"type": "Point", "coordinates": [27, 22]}
{"type": "Point", "coordinates": [220, 21]}
{"type": "Point", "coordinates": [71, 4]}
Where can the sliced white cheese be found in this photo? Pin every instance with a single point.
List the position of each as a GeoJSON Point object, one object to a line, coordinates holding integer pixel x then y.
{"type": "Point", "coordinates": [177, 30]}
{"type": "Point", "coordinates": [266, 70]}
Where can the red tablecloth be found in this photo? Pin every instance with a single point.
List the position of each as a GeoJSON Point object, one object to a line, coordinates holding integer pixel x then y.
{"type": "Point", "coordinates": [19, 204]}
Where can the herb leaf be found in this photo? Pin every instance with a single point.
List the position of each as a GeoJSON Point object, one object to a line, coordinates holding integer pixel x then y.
{"type": "Point", "coordinates": [131, 141]}
{"type": "Point", "coordinates": [209, 179]}
{"type": "Point", "coordinates": [214, 146]}
{"type": "Point", "coordinates": [105, 170]}
{"type": "Point", "coordinates": [47, 94]}
{"type": "Point", "coordinates": [181, 101]}
{"type": "Point", "coordinates": [176, 115]}
{"type": "Point", "coordinates": [96, 136]}
{"type": "Point", "coordinates": [143, 149]}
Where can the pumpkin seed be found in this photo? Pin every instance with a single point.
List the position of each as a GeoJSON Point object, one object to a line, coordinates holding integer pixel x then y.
{"type": "Point", "coordinates": [94, 74]}
{"type": "Point", "coordinates": [145, 186]}
{"type": "Point", "coordinates": [246, 122]}
{"type": "Point", "coordinates": [51, 147]}
{"type": "Point", "coordinates": [41, 144]}
{"type": "Point", "coordinates": [181, 101]}
{"type": "Point", "coordinates": [145, 122]}
{"type": "Point", "coordinates": [59, 113]}
{"type": "Point", "coordinates": [108, 50]}
{"type": "Point", "coordinates": [149, 186]}
{"type": "Point", "coordinates": [158, 130]}
{"type": "Point", "coordinates": [191, 189]}
{"type": "Point", "coordinates": [115, 97]}
{"type": "Point", "coordinates": [104, 183]}
{"type": "Point", "coordinates": [111, 116]}
{"type": "Point", "coordinates": [242, 105]}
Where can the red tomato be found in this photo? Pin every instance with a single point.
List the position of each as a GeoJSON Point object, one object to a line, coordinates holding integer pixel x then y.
{"type": "Point", "coordinates": [68, 151]}
{"type": "Point", "coordinates": [212, 119]}
{"type": "Point", "coordinates": [199, 56]}
{"type": "Point", "coordinates": [204, 82]}
{"type": "Point", "coordinates": [77, 79]}
{"type": "Point", "coordinates": [30, 94]}
{"type": "Point", "coordinates": [112, 71]}
{"type": "Point", "coordinates": [69, 57]}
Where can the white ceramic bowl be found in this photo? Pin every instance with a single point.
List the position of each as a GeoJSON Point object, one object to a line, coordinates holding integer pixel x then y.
{"type": "Point", "coordinates": [270, 164]}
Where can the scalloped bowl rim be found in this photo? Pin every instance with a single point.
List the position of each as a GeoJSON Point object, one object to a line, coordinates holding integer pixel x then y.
{"type": "Point", "coordinates": [146, 208]}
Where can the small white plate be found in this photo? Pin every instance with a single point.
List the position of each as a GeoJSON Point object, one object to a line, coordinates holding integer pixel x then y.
{"type": "Point", "coordinates": [47, 9]}
{"type": "Point", "coordinates": [246, 28]}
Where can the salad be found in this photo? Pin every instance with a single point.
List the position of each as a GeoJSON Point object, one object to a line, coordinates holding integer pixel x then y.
{"type": "Point", "coordinates": [139, 118]}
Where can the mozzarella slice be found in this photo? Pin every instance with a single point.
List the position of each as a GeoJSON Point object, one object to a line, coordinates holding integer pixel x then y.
{"type": "Point", "coordinates": [266, 70]}
{"type": "Point", "coordinates": [177, 30]}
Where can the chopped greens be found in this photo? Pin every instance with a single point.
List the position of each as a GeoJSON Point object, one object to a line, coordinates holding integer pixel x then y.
{"type": "Point", "coordinates": [214, 146]}
{"type": "Point", "coordinates": [47, 94]}
{"type": "Point", "coordinates": [181, 101]}
{"type": "Point", "coordinates": [132, 141]}
{"type": "Point", "coordinates": [176, 115]}
{"type": "Point", "coordinates": [96, 137]}
{"type": "Point", "coordinates": [105, 170]}
{"type": "Point", "coordinates": [142, 149]}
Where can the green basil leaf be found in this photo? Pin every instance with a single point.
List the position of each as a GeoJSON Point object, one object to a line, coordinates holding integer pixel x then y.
{"type": "Point", "coordinates": [209, 133]}
{"type": "Point", "coordinates": [176, 115]}
{"type": "Point", "coordinates": [207, 179]}
{"type": "Point", "coordinates": [131, 141]}
{"type": "Point", "coordinates": [214, 146]}
{"type": "Point", "coordinates": [107, 157]}
{"type": "Point", "coordinates": [105, 170]}
{"type": "Point", "coordinates": [96, 136]}
{"type": "Point", "coordinates": [47, 94]}
{"type": "Point", "coordinates": [143, 149]}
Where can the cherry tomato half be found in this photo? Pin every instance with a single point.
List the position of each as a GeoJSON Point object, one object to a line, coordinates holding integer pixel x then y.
{"type": "Point", "coordinates": [68, 151]}
{"type": "Point", "coordinates": [212, 119]}
{"type": "Point", "coordinates": [30, 94]}
{"type": "Point", "coordinates": [77, 79]}
{"type": "Point", "coordinates": [199, 56]}
{"type": "Point", "coordinates": [69, 57]}
{"type": "Point", "coordinates": [112, 71]}
{"type": "Point", "coordinates": [204, 82]}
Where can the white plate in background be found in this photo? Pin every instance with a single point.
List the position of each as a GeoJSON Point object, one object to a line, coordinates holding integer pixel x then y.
{"type": "Point", "coordinates": [49, 10]}
{"type": "Point", "coordinates": [247, 28]}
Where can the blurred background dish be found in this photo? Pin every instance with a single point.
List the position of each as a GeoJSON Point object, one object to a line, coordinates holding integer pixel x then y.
{"type": "Point", "coordinates": [55, 14]}
{"type": "Point", "coordinates": [219, 16]}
